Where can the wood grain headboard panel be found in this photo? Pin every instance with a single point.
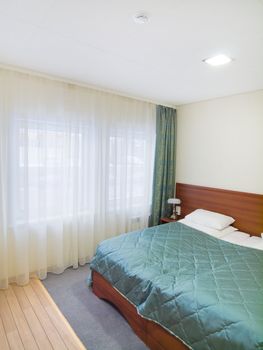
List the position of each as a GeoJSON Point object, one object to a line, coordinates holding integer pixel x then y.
{"type": "Point", "coordinates": [246, 208]}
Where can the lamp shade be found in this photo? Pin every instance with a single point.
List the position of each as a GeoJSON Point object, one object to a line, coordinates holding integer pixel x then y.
{"type": "Point", "coordinates": [174, 201]}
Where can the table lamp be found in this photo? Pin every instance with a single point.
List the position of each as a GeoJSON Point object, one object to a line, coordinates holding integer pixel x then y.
{"type": "Point", "coordinates": [174, 202]}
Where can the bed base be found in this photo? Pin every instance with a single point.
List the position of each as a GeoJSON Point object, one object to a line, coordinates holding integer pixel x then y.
{"type": "Point", "coordinates": [152, 334]}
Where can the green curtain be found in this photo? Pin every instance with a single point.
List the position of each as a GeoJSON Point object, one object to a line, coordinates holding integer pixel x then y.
{"type": "Point", "coordinates": [164, 164]}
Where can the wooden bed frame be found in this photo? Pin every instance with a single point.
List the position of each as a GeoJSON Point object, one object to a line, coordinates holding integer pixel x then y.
{"type": "Point", "coordinates": [246, 208]}
{"type": "Point", "coordinates": [153, 335]}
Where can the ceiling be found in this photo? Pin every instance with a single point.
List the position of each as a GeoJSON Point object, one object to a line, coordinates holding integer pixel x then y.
{"type": "Point", "coordinates": [98, 43]}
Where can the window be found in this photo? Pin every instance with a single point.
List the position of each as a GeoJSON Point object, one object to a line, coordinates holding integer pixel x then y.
{"type": "Point", "coordinates": [57, 167]}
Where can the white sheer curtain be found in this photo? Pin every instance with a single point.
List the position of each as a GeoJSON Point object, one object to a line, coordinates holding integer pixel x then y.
{"type": "Point", "coordinates": [75, 168]}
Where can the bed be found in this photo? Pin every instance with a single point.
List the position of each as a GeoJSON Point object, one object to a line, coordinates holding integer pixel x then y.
{"type": "Point", "coordinates": [181, 288]}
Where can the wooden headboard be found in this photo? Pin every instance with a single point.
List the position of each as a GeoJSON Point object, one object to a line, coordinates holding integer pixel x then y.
{"type": "Point", "coordinates": [245, 208]}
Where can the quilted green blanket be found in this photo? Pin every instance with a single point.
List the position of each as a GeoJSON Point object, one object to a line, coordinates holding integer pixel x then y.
{"type": "Point", "coordinates": [205, 291]}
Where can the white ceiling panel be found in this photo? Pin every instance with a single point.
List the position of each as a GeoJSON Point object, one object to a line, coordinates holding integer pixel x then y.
{"type": "Point", "coordinates": [98, 43]}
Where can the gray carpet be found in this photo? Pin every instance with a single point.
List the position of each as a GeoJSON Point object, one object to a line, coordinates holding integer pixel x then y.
{"type": "Point", "coordinates": [97, 323]}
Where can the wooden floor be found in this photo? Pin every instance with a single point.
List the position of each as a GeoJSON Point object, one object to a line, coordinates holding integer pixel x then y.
{"type": "Point", "coordinates": [29, 319]}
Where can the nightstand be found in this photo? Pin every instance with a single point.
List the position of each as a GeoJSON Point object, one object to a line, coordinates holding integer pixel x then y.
{"type": "Point", "coordinates": [164, 220]}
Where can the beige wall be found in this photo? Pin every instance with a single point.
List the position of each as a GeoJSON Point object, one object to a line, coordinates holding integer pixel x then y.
{"type": "Point", "coordinates": [220, 143]}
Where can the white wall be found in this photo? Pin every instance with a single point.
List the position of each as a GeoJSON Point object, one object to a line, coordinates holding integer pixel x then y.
{"type": "Point", "coordinates": [220, 143]}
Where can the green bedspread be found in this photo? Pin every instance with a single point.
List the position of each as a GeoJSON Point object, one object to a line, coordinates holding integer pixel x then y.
{"type": "Point", "coordinates": [205, 291]}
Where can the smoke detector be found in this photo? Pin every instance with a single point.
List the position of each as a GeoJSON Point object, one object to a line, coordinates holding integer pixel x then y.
{"type": "Point", "coordinates": [141, 18]}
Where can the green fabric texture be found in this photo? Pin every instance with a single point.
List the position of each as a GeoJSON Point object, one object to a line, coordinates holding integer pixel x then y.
{"type": "Point", "coordinates": [164, 164]}
{"type": "Point", "coordinates": [205, 291]}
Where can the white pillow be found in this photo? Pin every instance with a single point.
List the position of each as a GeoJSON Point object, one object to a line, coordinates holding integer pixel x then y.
{"type": "Point", "coordinates": [228, 229]}
{"type": "Point", "coordinates": [209, 230]}
{"type": "Point", "coordinates": [210, 219]}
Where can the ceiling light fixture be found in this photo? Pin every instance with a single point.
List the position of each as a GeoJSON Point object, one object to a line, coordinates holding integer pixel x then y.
{"type": "Point", "coordinates": [141, 18]}
{"type": "Point", "coordinates": [218, 60]}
